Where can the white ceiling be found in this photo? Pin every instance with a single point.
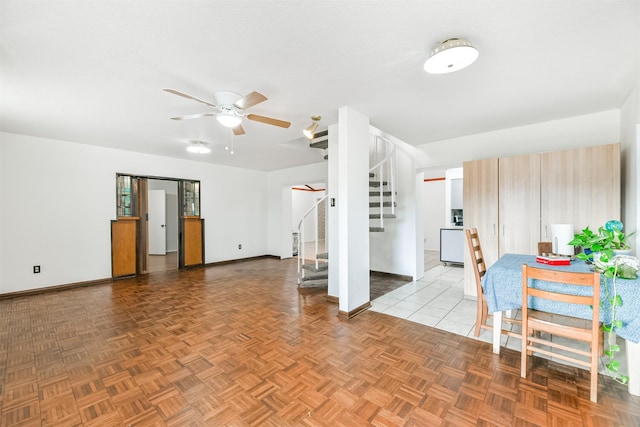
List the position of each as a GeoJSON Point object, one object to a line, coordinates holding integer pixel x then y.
{"type": "Point", "coordinates": [93, 71]}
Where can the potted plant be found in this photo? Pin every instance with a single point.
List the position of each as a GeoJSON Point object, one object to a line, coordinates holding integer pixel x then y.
{"type": "Point", "coordinates": [602, 246]}
{"type": "Point", "coordinates": [608, 250]}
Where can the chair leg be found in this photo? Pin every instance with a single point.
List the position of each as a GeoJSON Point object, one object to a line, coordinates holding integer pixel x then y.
{"type": "Point", "coordinates": [524, 353]}
{"type": "Point", "coordinates": [601, 342]}
{"type": "Point", "coordinates": [594, 369]}
{"type": "Point", "coordinates": [479, 321]}
{"type": "Point", "coordinates": [594, 384]}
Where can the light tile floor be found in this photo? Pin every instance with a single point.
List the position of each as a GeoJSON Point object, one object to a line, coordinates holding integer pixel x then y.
{"type": "Point", "coordinates": [437, 300]}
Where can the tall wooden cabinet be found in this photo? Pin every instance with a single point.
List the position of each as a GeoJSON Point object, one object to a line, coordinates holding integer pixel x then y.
{"type": "Point", "coordinates": [480, 207]}
{"type": "Point", "coordinates": [513, 201]}
{"type": "Point", "coordinates": [519, 201]}
{"type": "Point", "coordinates": [581, 187]}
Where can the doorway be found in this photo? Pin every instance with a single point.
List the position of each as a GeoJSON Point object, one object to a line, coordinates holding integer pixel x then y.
{"type": "Point", "coordinates": [163, 225]}
{"type": "Point", "coordinates": [176, 237]}
{"type": "Point", "coordinates": [303, 198]}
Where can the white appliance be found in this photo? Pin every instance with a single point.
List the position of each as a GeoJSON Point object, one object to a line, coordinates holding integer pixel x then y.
{"type": "Point", "coordinates": [561, 235]}
{"type": "Point", "coordinates": [452, 245]}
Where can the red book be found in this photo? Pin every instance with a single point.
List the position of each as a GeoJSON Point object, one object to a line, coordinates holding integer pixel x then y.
{"type": "Point", "coordinates": [553, 260]}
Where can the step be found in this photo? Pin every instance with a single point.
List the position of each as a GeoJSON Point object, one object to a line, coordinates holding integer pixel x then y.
{"type": "Point", "coordinates": [377, 183]}
{"type": "Point", "coordinates": [322, 266]}
{"type": "Point", "coordinates": [384, 193]}
{"type": "Point", "coordinates": [384, 204]}
{"type": "Point", "coordinates": [320, 140]}
{"type": "Point", "coordinates": [324, 255]}
{"type": "Point", "coordinates": [376, 229]}
{"type": "Point", "coordinates": [323, 283]}
{"type": "Point", "coordinates": [377, 216]}
{"type": "Point", "coordinates": [320, 134]}
{"type": "Point", "coordinates": [323, 144]}
{"type": "Point", "coordinates": [313, 277]}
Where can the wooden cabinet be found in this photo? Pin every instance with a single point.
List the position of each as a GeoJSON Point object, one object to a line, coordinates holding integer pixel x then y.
{"type": "Point", "coordinates": [123, 248]}
{"type": "Point", "coordinates": [192, 235]}
{"type": "Point", "coordinates": [480, 204]}
{"type": "Point", "coordinates": [580, 187]}
{"type": "Point", "coordinates": [519, 212]}
{"type": "Point", "coordinates": [513, 201]}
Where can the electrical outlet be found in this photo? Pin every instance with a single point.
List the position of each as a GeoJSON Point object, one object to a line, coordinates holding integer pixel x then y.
{"type": "Point", "coordinates": [239, 246]}
{"type": "Point", "coordinates": [36, 269]}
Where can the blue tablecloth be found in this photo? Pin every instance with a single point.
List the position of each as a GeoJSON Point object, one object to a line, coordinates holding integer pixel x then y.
{"type": "Point", "coordinates": [502, 286]}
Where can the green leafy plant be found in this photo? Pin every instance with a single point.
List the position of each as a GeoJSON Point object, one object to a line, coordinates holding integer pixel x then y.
{"type": "Point", "coordinates": [599, 248]}
{"type": "Point", "coordinates": [615, 301]}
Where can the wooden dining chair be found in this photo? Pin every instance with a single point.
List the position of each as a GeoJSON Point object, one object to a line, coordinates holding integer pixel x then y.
{"type": "Point", "coordinates": [545, 248]}
{"type": "Point", "coordinates": [479, 270]}
{"type": "Point", "coordinates": [557, 325]}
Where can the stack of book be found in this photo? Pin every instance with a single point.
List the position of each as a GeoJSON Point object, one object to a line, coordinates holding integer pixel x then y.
{"type": "Point", "coordinates": [553, 259]}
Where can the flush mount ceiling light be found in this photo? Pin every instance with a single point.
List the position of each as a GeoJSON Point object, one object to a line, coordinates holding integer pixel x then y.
{"type": "Point", "coordinates": [451, 55]}
{"type": "Point", "coordinates": [198, 147]}
{"type": "Point", "coordinates": [228, 117]}
{"type": "Point", "coordinates": [311, 129]}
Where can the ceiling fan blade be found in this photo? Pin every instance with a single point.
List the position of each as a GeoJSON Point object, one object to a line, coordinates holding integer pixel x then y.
{"type": "Point", "coordinates": [250, 100]}
{"type": "Point", "coordinates": [238, 130]}
{"type": "Point", "coordinates": [184, 95]}
{"type": "Point", "coordinates": [193, 116]}
{"type": "Point", "coordinates": [268, 120]}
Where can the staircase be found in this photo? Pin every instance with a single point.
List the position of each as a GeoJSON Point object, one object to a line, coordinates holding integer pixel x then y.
{"type": "Point", "coordinates": [313, 268]}
{"type": "Point", "coordinates": [316, 272]}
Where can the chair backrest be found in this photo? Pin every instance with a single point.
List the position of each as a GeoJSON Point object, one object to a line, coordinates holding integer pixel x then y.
{"type": "Point", "coordinates": [566, 277]}
{"type": "Point", "coordinates": [477, 259]}
{"type": "Point", "coordinates": [564, 285]}
{"type": "Point", "coordinates": [545, 248]}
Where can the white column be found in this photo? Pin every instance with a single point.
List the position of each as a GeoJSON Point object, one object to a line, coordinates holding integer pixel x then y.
{"type": "Point", "coordinates": [332, 214]}
{"type": "Point", "coordinates": [353, 210]}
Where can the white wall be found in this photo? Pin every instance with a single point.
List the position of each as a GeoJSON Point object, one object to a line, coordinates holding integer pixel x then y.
{"type": "Point", "coordinates": [434, 217]}
{"type": "Point", "coordinates": [580, 131]}
{"type": "Point", "coordinates": [57, 199]}
{"type": "Point", "coordinates": [394, 250]}
{"type": "Point", "coordinates": [630, 139]}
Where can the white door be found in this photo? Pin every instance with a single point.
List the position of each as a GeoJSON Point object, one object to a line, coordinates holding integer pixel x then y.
{"type": "Point", "coordinates": [157, 223]}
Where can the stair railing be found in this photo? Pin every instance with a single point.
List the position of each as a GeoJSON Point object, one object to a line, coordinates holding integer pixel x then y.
{"type": "Point", "coordinates": [301, 238]}
{"type": "Point", "coordinates": [385, 169]}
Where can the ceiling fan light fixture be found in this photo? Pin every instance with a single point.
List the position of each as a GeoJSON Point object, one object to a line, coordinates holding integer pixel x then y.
{"type": "Point", "coordinates": [198, 147]}
{"type": "Point", "coordinates": [229, 118]}
{"type": "Point", "coordinates": [451, 55]}
{"type": "Point", "coordinates": [310, 130]}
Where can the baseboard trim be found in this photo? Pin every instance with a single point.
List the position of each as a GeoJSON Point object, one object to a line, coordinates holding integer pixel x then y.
{"type": "Point", "coordinates": [353, 313]}
{"type": "Point", "coordinates": [233, 261]}
{"type": "Point", "coordinates": [392, 275]}
{"type": "Point", "coordinates": [29, 292]}
{"type": "Point", "coordinates": [332, 299]}
{"type": "Point", "coordinates": [55, 288]}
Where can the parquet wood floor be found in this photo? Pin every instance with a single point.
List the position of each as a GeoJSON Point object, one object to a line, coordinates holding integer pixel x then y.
{"type": "Point", "coordinates": [241, 345]}
{"type": "Point", "coordinates": [163, 262]}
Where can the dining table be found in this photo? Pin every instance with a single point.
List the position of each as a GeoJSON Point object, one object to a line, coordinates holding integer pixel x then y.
{"type": "Point", "coordinates": [502, 287]}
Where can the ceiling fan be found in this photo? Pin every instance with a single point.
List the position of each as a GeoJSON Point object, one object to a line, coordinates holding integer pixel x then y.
{"type": "Point", "coordinates": [230, 108]}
